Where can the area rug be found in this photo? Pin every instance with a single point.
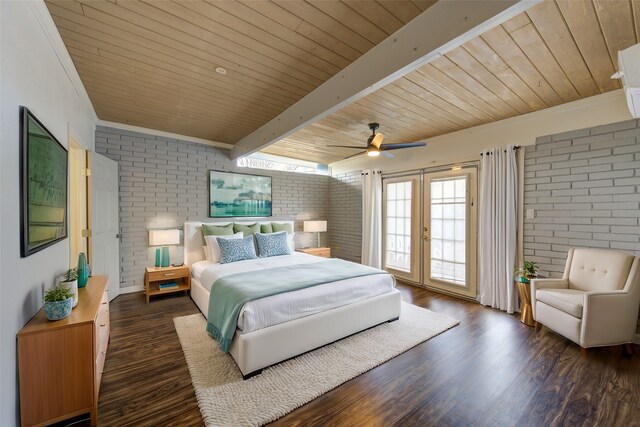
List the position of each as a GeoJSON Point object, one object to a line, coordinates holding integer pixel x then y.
{"type": "Point", "coordinates": [226, 400]}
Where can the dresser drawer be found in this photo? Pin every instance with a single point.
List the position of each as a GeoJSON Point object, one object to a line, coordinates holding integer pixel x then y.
{"type": "Point", "coordinates": [102, 325]}
{"type": "Point", "coordinates": [168, 275]}
{"type": "Point", "coordinates": [102, 356]}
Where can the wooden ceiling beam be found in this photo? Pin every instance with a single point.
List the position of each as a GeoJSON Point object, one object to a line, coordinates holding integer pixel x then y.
{"type": "Point", "coordinates": [441, 28]}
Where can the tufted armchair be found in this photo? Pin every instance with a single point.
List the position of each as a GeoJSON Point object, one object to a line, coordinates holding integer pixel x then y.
{"type": "Point", "coordinates": [596, 301]}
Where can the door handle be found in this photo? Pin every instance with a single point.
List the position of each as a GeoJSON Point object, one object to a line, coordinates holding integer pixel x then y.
{"type": "Point", "coordinates": [117, 235]}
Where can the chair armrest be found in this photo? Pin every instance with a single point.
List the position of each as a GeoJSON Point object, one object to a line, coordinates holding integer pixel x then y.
{"type": "Point", "coordinates": [545, 284]}
{"type": "Point", "coordinates": [608, 317]}
{"type": "Point", "coordinates": [549, 284]}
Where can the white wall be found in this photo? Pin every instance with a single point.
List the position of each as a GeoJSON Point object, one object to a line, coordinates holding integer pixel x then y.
{"type": "Point", "coordinates": [466, 145]}
{"type": "Point", "coordinates": [35, 71]}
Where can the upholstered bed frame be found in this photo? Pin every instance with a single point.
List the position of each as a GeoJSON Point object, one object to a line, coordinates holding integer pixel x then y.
{"type": "Point", "coordinates": [259, 349]}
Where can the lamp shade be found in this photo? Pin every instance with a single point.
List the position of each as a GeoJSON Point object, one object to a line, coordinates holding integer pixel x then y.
{"type": "Point", "coordinates": [164, 237]}
{"type": "Point", "coordinates": [314, 226]}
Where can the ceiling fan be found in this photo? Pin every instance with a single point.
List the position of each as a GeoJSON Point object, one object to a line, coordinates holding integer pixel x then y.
{"type": "Point", "coordinates": [375, 147]}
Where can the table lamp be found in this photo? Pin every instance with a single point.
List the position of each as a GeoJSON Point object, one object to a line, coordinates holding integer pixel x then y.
{"type": "Point", "coordinates": [163, 238]}
{"type": "Point", "coordinates": [315, 227]}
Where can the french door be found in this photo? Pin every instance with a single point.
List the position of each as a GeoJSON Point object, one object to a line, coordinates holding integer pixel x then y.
{"type": "Point", "coordinates": [401, 228]}
{"type": "Point", "coordinates": [430, 229]}
{"type": "Point", "coordinates": [449, 231]}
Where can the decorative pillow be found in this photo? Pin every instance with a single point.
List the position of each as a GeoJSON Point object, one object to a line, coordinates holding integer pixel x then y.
{"type": "Point", "coordinates": [233, 250]}
{"type": "Point", "coordinates": [273, 244]}
{"type": "Point", "coordinates": [292, 244]}
{"type": "Point", "coordinates": [281, 227]}
{"type": "Point", "coordinates": [266, 228]}
{"type": "Point", "coordinates": [213, 248]}
{"type": "Point", "coordinates": [247, 230]}
{"type": "Point", "coordinates": [217, 230]}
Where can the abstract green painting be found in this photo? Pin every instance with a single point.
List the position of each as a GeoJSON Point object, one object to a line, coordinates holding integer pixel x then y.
{"type": "Point", "coordinates": [239, 195]}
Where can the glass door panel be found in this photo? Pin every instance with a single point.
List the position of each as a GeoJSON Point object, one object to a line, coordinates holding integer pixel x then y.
{"type": "Point", "coordinates": [401, 225]}
{"type": "Point", "coordinates": [449, 231]}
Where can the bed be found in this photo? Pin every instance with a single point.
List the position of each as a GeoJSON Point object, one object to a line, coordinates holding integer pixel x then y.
{"type": "Point", "coordinates": [269, 331]}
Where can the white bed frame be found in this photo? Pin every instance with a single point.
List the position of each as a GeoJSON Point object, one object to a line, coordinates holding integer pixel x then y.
{"type": "Point", "coordinates": [256, 350]}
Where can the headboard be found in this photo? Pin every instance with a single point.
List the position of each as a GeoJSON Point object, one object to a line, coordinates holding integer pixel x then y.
{"type": "Point", "coordinates": [193, 242]}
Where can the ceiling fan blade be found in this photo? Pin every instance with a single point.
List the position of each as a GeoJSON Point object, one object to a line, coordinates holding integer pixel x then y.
{"type": "Point", "coordinates": [377, 140]}
{"type": "Point", "coordinates": [402, 145]}
{"type": "Point", "coordinates": [355, 155]}
{"type": "Point", "coordinates": [348, 146]}
{"type": "Point", "coordinates": [387, 154]}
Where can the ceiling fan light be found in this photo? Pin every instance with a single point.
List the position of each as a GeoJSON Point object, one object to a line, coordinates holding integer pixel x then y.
{"type": "Point", "coordinates": [372, 152]}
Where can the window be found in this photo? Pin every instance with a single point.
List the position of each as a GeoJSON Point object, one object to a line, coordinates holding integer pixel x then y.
{"type": "Point", "coordinates": [279, 163]}
{"type": "Point", "coordinates": [398, 225]}
{"type": "Point", "coordinates": [448, 229]}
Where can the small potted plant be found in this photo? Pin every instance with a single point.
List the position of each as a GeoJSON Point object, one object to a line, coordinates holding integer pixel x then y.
{"type": "Point", "coordinates": [58, 302]}
{"type": "Point", "coordinates": [529, 270]}
{"type": "Point", "coordinates": [70, 280]}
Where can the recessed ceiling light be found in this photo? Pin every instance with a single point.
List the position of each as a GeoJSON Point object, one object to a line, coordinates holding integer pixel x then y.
{"type": "Point", "coordinates": [221, 70]}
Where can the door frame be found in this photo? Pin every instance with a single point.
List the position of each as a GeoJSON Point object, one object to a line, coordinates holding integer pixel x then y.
{"type": "Point", "coordinates": [416, 247]}
{"type": "Point", "coordinates": [471, 247]}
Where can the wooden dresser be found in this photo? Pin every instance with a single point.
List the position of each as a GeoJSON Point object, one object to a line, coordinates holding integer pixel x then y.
{"type": "Point", "coordinates": [60, 363]}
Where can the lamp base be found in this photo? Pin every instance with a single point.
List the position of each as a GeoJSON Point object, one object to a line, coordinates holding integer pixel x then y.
{"type": "Point", "coordinates": [157, 257]}
{"type": "Point", "coordinates": [165, 257]}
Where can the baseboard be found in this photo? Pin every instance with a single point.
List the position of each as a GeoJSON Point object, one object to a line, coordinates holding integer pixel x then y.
{"type": "Point", "coordinates": [131, 289]}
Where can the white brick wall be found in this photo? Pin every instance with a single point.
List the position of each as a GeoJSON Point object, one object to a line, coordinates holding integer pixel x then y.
{"type": "Point", "coordinates": [163, 182]}
{"type": "Point", "coordinates": [345, 216]}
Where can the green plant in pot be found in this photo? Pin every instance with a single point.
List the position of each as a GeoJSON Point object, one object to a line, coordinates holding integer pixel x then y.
{"type": "Point", "coordinates": [58, 302]}
{"type": "Point", "coordinates": [70, 280]}
{"type": "Point", "coordinates": [529, 270]}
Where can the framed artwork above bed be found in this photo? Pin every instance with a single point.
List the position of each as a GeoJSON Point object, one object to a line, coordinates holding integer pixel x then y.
{"type": "Point", "coordinates": [239, 195]}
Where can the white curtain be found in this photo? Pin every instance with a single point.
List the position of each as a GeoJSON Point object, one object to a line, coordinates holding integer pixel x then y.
{"type": "Point", "coordinates": [498, 226]}
{"type": "Point", "coordinates": [372, 218]}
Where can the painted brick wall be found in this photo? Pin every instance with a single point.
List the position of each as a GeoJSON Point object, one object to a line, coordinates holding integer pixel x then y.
{"type": "Point", "coordinates": [585, 188]}
{"type": "Point", "coordinates": [163, 182]}
{"type": "Point", "coordinates": [345, 216]}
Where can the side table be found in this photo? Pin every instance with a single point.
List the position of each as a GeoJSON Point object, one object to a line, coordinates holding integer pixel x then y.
{"type": "Point", "coordinates": [526, 313]}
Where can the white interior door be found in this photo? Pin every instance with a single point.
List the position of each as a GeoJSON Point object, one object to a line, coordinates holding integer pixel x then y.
{"type": "Point", "coordinates": [105, 224]}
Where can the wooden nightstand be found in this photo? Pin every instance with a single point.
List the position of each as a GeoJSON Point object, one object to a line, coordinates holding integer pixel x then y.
{"type": "Point", "coordinates": [154, 276]}
{"type": "Point", "coordinates": [323, 252]}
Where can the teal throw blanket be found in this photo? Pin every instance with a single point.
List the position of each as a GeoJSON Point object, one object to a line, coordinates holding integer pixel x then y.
{"type": "Point", "coordinates": [228, 294]}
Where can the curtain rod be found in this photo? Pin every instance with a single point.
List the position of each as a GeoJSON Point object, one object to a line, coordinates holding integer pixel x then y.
{"type": "Point", "coordinates": [399, 174]}
{"type": "Point", "coordinates": [515, 147]}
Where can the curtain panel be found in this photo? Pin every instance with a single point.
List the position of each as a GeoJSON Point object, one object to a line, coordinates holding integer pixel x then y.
{"type": "Point", "coordinates": [498, 225]}
{"type": "Point", "coordinates": [372, 218]}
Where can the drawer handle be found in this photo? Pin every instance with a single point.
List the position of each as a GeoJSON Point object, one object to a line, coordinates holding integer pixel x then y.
{"type": "Point", "coordinates": [104, 303]}
{"type": "Point", "coordinates": [169, 274]}
{"type": "Point", "coordinates": [103, 325]}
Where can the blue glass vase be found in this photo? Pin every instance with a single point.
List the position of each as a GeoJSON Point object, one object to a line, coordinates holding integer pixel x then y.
{"type": "Point", "coordinates": [83, 270]}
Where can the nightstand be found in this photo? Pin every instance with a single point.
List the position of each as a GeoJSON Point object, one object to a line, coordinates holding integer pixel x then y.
{"type": "Point", "coordinates": [323, 252]}
{"type": "Point", "coordinates": [155, 276]}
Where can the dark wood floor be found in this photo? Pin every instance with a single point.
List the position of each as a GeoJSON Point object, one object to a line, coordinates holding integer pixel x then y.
{"type": "Point", "coordinates": [489, 370]}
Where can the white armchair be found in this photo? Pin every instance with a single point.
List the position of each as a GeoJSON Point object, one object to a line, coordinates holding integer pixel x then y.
{"type": "Point", "coordinates": [596, 302]}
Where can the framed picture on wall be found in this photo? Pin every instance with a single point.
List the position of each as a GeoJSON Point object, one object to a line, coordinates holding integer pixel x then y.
{"type": "Point", "coordinates": [43, 186]}
{"type": "Point", "coordinates": [239, 195]}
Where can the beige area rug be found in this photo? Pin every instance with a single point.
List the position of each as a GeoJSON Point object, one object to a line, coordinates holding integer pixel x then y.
{"type": "Point", "coordinates": [226, 400]}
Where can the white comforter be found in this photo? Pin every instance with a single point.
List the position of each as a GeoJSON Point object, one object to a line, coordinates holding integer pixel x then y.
{"type": "Point", "coordinates": [288, 306]}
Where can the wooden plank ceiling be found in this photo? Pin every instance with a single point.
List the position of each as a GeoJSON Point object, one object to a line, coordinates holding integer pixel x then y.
{"type": "Point", "coordinates": [152, 63]}
{"type": "Point", "coordinates": [556, 52]}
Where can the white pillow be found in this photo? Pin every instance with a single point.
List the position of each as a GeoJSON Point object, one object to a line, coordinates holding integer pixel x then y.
{"type": "Point", "coordinates": [213, 248]}
{"type": "Point", "coordinates": [292, 244]}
